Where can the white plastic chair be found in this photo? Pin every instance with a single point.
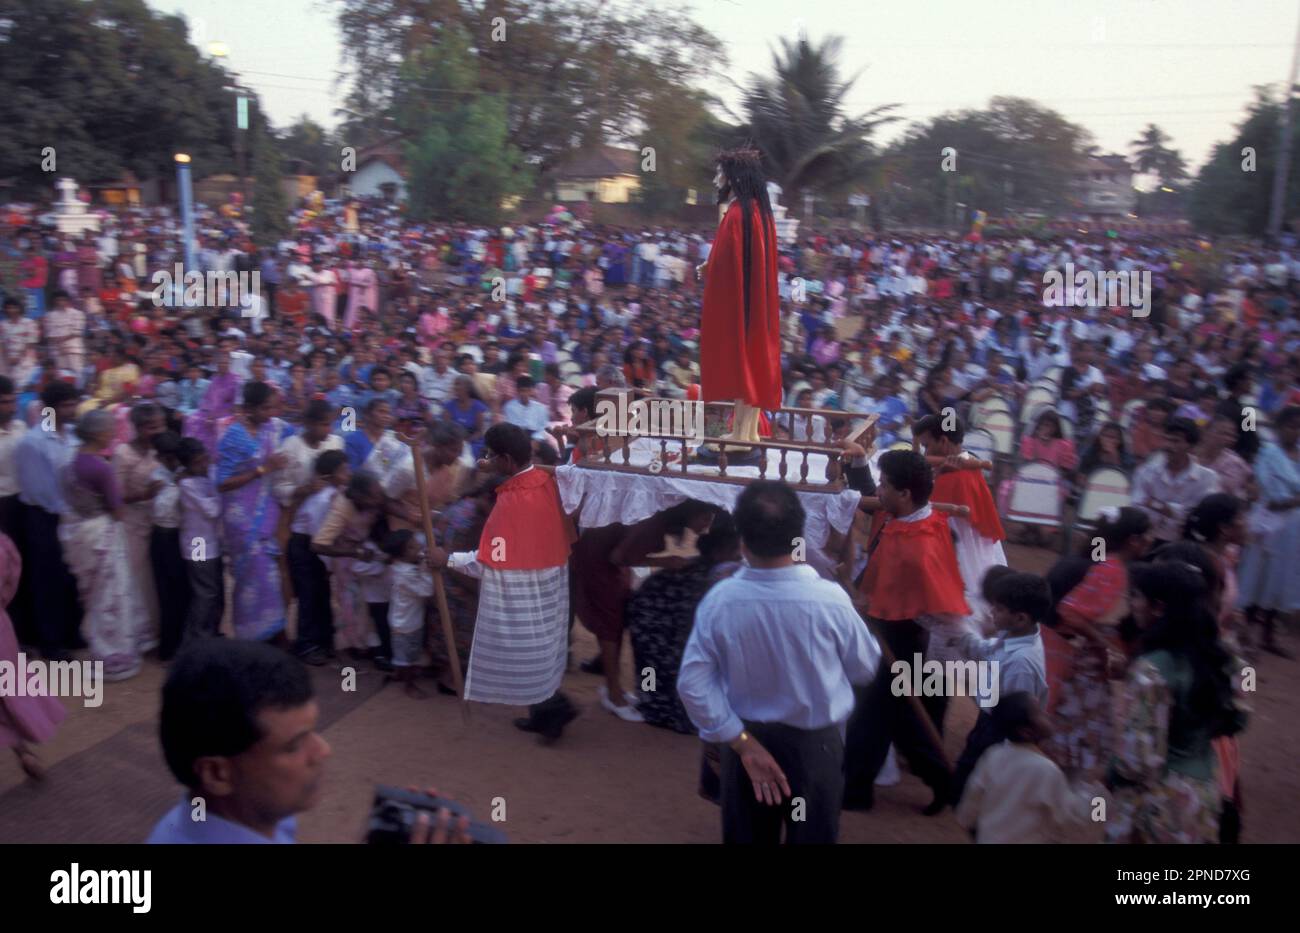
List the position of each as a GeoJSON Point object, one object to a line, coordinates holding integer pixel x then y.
{"type": "Point", "coordinates": [1002, 427]}
{"type": "Point", "coordinates": [981, 410]}
{"type": "Point", "coordinates": [1104, 487]}
{"type": "Point", "coordinates": [1035, 399]}
{"type": "Point", "coordinates": [570, 369]}
{"type": "Point", "coordinates": [980, 443]}
{"type": "Point", "coordinates": [1035, 496]}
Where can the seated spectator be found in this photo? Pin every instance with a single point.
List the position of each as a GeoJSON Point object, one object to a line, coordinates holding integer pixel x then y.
{"type": "Point", "coordinates": [1147, 435]}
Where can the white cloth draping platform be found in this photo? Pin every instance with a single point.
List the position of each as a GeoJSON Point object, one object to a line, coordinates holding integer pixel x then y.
{"type": "Point", "coordinates": [609, 496]}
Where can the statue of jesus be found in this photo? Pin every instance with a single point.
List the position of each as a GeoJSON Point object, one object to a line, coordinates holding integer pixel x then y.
{"type": "Point", "coordinates": [740, 329]}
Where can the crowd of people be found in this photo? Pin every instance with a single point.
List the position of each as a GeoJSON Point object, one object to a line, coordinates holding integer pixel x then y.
{"type": "Point", "coordinates": [155, 457]}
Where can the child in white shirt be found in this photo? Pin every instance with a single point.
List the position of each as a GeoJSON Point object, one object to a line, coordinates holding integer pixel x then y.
{"type": "Point", "coordinates": [1017, 794]}
{"type": "Point", "coordinates": [412, 584]}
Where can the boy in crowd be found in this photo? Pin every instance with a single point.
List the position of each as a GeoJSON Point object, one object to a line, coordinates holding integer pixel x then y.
{"type": "Point", "coordinates": [1017, 794]}
{"type": "Point", "coordinates": [1019, 603]}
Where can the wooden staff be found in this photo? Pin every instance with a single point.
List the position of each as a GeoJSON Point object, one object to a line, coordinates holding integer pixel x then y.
{"type": "Point", "coordinates": [439, 587]}
{"type": "Point", "coordinates": [887, 660]}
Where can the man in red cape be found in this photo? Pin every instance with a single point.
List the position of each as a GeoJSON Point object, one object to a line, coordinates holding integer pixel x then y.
{"type": "Point", "coordinates": [740, 329]}
{"type": "Point", "coordinates": [521, 633]}
{"type": "Point", "coordinates": [960, 481]}
{"type": "Point", "coordinates": [911, 573]}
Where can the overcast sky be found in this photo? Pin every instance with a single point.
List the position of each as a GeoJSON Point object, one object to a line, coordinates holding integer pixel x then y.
{"type": "Point", "coordinates": [1111, 65]}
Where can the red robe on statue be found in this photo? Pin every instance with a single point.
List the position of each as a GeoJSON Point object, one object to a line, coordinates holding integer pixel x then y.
{"type": "Point", "coordinates": [913, 571]}
{"type": "Point", "coordinates": [736, 361]}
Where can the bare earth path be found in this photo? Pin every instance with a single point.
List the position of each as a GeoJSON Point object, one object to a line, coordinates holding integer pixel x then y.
{"type": "Point", "coordinates": [606, 781]}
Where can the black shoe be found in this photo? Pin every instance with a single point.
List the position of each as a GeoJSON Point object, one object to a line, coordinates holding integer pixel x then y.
{"type": "Point", "coordinates": [527, 724]}
{"type": "Point", "coordinates": [859, 802]}
{"type": "Point", "coordinates": [594, 666]}
{"type": "Point", "coordinates": [556, 721]}
{"type": "Point", "coordinates": [445, 690]}
{"type": "Point", "coordinates": [381, 663]}
{"type": "Point", "coordinates": [313, 656]}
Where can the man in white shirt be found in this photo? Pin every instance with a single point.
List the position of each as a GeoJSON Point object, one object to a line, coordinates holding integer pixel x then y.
{"type": "Point", "coordinates": [525, 411]}
{"type": "Point", "coordinates": [769, 673]}
{"type": "Point", "coordinates": [436, 381]}
{"type": "Point", "coordinates": [1171, 483]}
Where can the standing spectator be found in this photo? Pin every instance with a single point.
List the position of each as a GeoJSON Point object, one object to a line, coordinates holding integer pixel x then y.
{"type": "Point", "coordinates": [40, 458]}
{"type": "Point", "coordinates": [769, 672]}
{"type": "Point", "coordinates": [1171, 482]}
{"type": "Point", "coordinates": [1176, 698]}
{"type": "Point", "coordinates": [94, 539]}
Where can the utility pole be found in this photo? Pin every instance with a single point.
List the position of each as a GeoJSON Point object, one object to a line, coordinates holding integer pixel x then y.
{"type": "Point", "coordinates": [1283, 166]}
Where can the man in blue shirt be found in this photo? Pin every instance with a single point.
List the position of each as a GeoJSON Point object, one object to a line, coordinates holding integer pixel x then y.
{"type": "Point", "coordinates": [39, 459]}
{"type": "Point", "coordinates": [238, 729]}
{"type": "Point", "coordinates": [769, 672]}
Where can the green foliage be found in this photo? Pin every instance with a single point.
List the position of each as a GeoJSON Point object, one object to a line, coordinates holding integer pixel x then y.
{"type": "Point", "coordinates": [308, 142]}
{"type": "Point", "coordinates": [569, 72]}
{"type": "Point", "coordinates": [797, 118]}
{"type": "Point", "coordinates": [461, 161]}
{"type": "Point", "coordinates": [1153, 156]}
{"type": "Point", "coordinates": [1014, 155]}
{"type": "Point", "coordinates": [1228, 199]}
{"type": "Point", "coordinates": [113, 87]}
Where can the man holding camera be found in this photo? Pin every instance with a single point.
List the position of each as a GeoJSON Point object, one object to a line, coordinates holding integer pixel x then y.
{"type": "Point", "coordinates": [239, 732]}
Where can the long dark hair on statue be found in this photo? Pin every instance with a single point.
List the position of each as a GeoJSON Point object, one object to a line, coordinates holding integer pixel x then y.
{"type": "Point", "coordinates": [743, 170]}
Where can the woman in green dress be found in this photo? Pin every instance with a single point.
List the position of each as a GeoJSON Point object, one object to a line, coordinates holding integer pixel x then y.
{"type": "Point", "coordinates": [1176, 698]}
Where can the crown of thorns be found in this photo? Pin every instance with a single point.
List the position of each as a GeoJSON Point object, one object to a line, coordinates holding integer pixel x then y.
{"type": "Point", "coordinates": [741, 156]}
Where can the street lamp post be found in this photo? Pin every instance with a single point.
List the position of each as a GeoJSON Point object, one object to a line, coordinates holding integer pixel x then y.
{"type": "Point", "coordinates": [184, 186]}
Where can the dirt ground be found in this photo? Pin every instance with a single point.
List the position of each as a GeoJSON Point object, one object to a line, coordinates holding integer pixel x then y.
{"type": "Point", "coordinates": [606, 781]}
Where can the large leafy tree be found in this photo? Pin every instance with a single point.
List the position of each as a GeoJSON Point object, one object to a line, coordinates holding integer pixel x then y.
{"type": "Point", "coordinates": [1232, 191]}
{"type": "Point", "coordinates": [112, 87]}
{"type": "Point", "coordinates": [568, 72]}
{"type": "Point", "coordinates": [1013, 155]}
{"type": "Point", "coordinates": [797, 117]}
{"type": "Point", "coordinates": [309, 143]}
{"type": "Point", "coordinates": [462, 163]}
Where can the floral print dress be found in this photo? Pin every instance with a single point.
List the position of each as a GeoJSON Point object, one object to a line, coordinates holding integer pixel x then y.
{"type": "Point", "coordinates": [1153, 802]}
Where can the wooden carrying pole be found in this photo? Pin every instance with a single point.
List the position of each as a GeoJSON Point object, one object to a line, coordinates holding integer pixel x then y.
{"type": "Point", "coordinates": [439, 587]}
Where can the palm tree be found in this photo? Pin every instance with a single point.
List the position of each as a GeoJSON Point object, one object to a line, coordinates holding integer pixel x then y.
{"type": "Point", "coordinates": [797, 118]}
{"type": "Point", "coordinates": [1153, 155]}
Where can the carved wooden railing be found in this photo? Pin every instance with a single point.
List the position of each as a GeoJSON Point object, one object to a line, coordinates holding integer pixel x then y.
{"type": "Point", "coordinates": [606, 449]}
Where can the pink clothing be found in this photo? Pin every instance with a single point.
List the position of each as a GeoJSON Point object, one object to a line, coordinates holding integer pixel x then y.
{"type": "Point", "coordinates": [324, 294]}
{"type": "Point", "coordinates": [1059, 452]}
{"type": "Point", "coordinates": [26, 718]}
{"type": "Point", "coordinates": [363, 292]}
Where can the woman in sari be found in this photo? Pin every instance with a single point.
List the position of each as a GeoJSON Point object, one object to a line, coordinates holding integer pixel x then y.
{"type": "Point", "coordinates": [250, 514]}
{"type": "Point", "coordinates": [1269, 582]}
{"type": "Point", "coordinates": [1089, 620]}
{"type": "Point", "coordinates": [23, 719]}
{"type": "Point", "coordinates": [94, 546]}
{"type": "Point", "coordinates": [218, 401]}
